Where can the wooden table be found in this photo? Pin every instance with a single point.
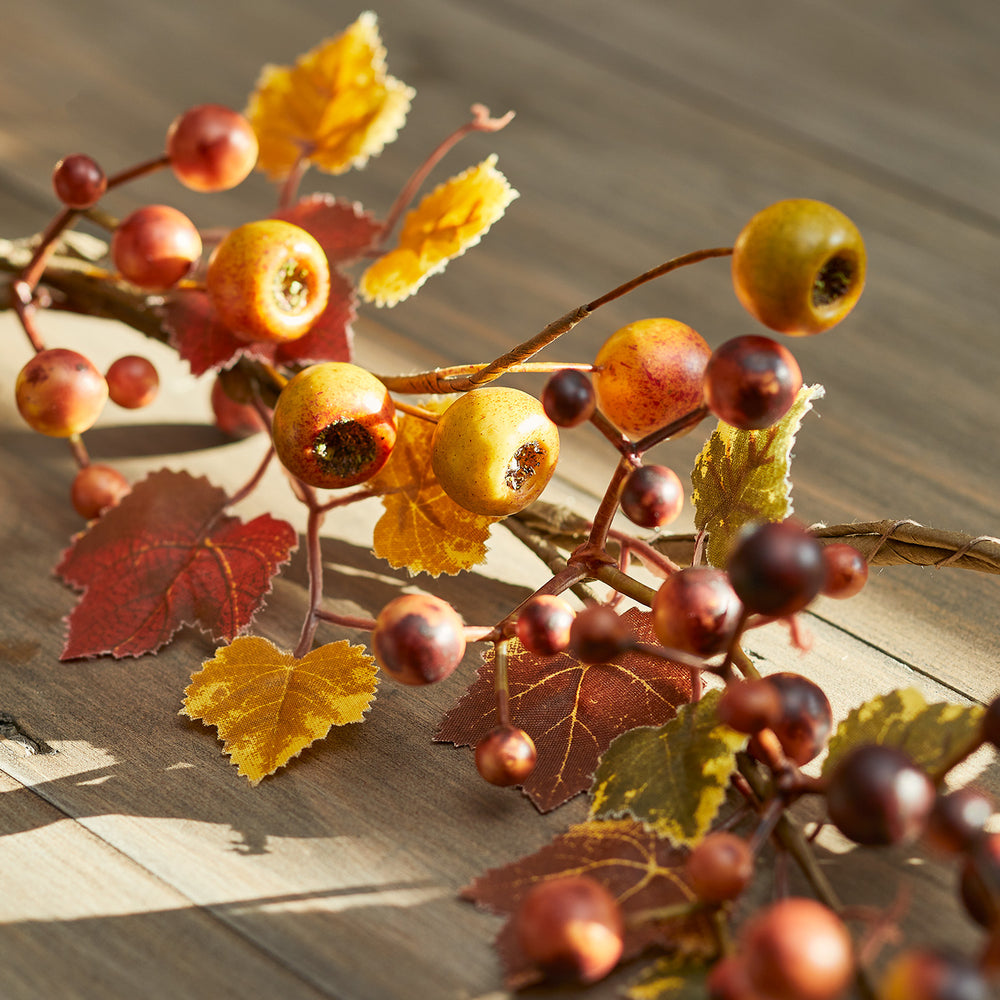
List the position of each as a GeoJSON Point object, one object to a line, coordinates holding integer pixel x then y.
{"type": "Point", "coordinates": [134, 862]}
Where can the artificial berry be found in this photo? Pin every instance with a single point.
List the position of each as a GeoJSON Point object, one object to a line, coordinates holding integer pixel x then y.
{"type": "Point", "coordinates": [236, 419]}
{"type": "Point", "coordinates": [729, 980]}
{"type": "Point", "coordinates": [719, 867]}
{"type": "Point", "coordinates": [334, 425]}
{"type": "Point", "coordinates": [60, 393]}
{"type": "Point", "coordinates": [799, 266]}
{"type": "Point", "coordinates": [79, 181]}
{"type": "Point", "coordinates": [268, 281]}
{"type": "Point", "coordinates": [804, 724]}
{"type": "Point", "coordinates": [505, 756]}
{"type": "Point", "coordinates": [133, 381]}
{"type": "Point", "coordinates": [211, 148]}
{"type": "Point", "coordinates": [494, 450]}
{"type": "Point", "coordinates": [155, 247]}
{"type": "Point", "coordinates": [568, 398]}
{"type": "Point", "coordinates": [696, 610]}
{"type": "Point", "coordinates": [571, 928]}
{"type": "Point", "coordinates": [980, 881]}
{"type": "Point", "coordinates": [750, 706]}
{"type": "Point", "coordinates": [649, 374]}
{"type": "Point", "coordinates": [751, 382]}
{"type": "Point", "coordinates": [95, 488]}
{"type": "Point", "coordinates": [877, 795]}
{"type": "Point", "coordinates": [958, 819]}
{"type": "Point", "coordinates": [652, 496]}
{"type": "Point", "coordinates": [598, 634]}
{"type": "Point", "coordinates": [797, 949]}
{"type": "Point", "coordinates": [846, 570]}
{"type": "Point", "coordinates": [922, 974]}
{"type": "Point", "coordinates": [418, 639]}
{"type": "Point", "coordinates": [776, 568]}
{"type": "Point", "coordinates": [543, 625]}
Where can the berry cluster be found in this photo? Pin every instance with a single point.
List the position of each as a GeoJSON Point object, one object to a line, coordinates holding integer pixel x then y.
{"type": "Point", "coordinates": [798, 267]}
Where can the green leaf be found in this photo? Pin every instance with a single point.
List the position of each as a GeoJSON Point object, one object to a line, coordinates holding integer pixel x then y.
{"type": "Point", "coordinates": [672, 778]}
{"type": "Point", "coordinates": [670, 977]}
{"type": "Point", "coordinates": [743, 476]}
{"type": "Point", "coordinates": [930, 734]}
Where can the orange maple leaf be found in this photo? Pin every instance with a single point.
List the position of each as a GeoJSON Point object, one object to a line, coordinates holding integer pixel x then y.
{"type": "Point", "coordinates": [335, 107]}
{"type": "Point", "coordinates": [449, 220]}
{"type": "Point", "coordinates": [422, 528]}
{"type": "Point", "coordinates": [268, 706]}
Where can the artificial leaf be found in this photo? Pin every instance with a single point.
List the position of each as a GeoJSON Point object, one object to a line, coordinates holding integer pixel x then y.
{"type": "Point", "coordinates": [670, 977]}
{"type": "Point", "coordinates": [330, 338]}
{"type": "Point", "coordinates": [342, 228]}
{"type": "Point", "coordinates": [640, 870]}
{"type": "Point", "coordinates": [742, 476]}
{"type": "Point", "coordinates": [335, 108]}
{"type": "Point", "coordinates": [673, 777]}
{"type": "Point", "coordinates": [422, 528]}
{"type": "Point", "coordinates": [571, 710]}
{"type": "Point", "coordinates": [168, 556]}
{"type": "Point", "coordinates": [930, 734]}
{"type": "Point", "coordinates": [452, 218]}
{"type": "Point", "coordinates": [268, 706]}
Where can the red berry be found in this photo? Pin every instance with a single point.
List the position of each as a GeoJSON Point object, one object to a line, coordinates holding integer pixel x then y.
{"type": "Point", "coordinates": [155, 247]}
{"type": "Point", "coordinates": [921, 974]}
{"type": "Point", "coordinates": [543, 626]}
{"type": "Point", "coordinates": [652, 496]}
{"type": "Point", "coordinates": [720, 867]}
{"type": "Point", "coordinates": [418, 639]}
{"type": "Point", "coordinates": [568, 398]}
{"type": "Point", "coordinates": [797, 949]}
{"type": "Point", "coordinates": [571, 928]}
{"type": "Point", "coordinates": [598, 634]}
{"type": "Point", "coordinates": [751, 382]}
{"type": "Point", "coordinates": [750, 706]}
{"type": "Point", "coordinates": [133, 381]}
{"type": "Point", "coordinates": [696, 610]}
{"type": "Point", "coordinates": [505, 756]}
{"type": "Point", "coordinates": [95, 488]}
{"type": "Point", "coordinates": [846, 570]}
{"type": "Point", "coordinates": [211, 148]}
{"type": "Point", "coordinates": [60, 393]}
{"type": "Point", "coordinates": [958, 820]}
{"type": "Point", "coordinates": [236, 419]}
{"type": "Point", "coordinates": [805, 721]}
{"type": "Point", "coordinates": [980, 881]}
{"type": "Point", "coordinates": [79, 182]}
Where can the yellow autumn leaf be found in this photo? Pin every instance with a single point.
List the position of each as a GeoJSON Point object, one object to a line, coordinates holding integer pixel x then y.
{"type": "Point", "coordinates": [336, 107]}
{"type": "Point", "coordinates": [268, 706]}
{"type": "Point", "coordinates": [449, 220]}
{"type": "Point", "coordinates": [422, 528]}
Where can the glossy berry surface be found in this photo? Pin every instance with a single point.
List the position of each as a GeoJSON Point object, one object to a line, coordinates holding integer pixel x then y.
{"type": "Point", "coordinates": [750, 706]}
{"type": "Point", "coordinates": [846, 570]}
{"type": "Point", "coordinates": [799, 266]}
{"type": "Point", "coordinates": [334, 425]}
{"type": "Point", "coordinates": [776, 568]}
{"type": "Point", "coordinates": [922, 974]}
{"type": "Point", "coordinates": [235, 419]}
{"type": "Point", "coordinates": [418, 639]}
{"type": "Point", "coordinates": [804, 724]}
{"type": "Point", "coordinates": [268, 281]}
{"type": "Point", "coordinates": [211, 148]}
{"type": "Point", "coordinates": [979, 884]}
{"type": "Point", "coordinates": [958, 820]}
{"type": "Point", "coordinates": [751, 382]}
{"type": "Point", "coordinates": [719, 867]}
{"type": "Point", "coordinates": [133, 381]}
{"type": "Point", "coordinates": [571, 928]}
{"type": "Point", "coordinates": [649, 374]}
{"type": "Point", "coordinates": [95, 488]}
{"type": "Point", "coordinates": [877, 795]}
{"type": "Point", "coordinates": [494, 450]}
{"type": "Point", "coordinates": [568, 398]}
{"type": "Point", "coordinates": [505, 756]}
{"type": "Point", "coordinates": [543, 626]}
{"type": "Point", "coordinates": [797, 949]}
{"type": "Point", "coordinates": [696, 610]}
{"type": "Point", "coordinates": [652, 496]}
{"type": "Point", "coordinates": [60, 393]}
{"type": "Point", "coordinates": [155, 247]}
{"type": "Point", "coordinates": [598, 634]}
{"type": "Point", "coordinates": [78, 181]}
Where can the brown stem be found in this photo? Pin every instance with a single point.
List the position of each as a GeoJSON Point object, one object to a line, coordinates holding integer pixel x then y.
{"type": "Point", "coordinates": [244, 491]}
{"type": "Point", "coordinates": [139, 170]}
{"type": "Point", "coordinates": [290, 187]}
{"type": "Point", "coordinates": [609, 505]}
{"type": "Point", "coordinates": [417, 411]}
{"type": "Point", "coordinates": [678, 426]}
{"type": "Point", "coordinates": [345, 621]}
{"type": "Point", "coordinates": [501, 683]}
{"type": "Point", "coordinates": [315, 562]}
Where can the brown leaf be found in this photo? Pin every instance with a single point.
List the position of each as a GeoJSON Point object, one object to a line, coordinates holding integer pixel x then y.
{"type": "Point", "coordinates": [571, 710]}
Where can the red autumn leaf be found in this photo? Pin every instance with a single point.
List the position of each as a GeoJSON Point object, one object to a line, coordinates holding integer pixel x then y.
{"type": "Point", "coordinates": [641, 870]}
{"type": "Point", "coordinates": [330, 338]}
{"type": "Point", "coordinates": [342, 228]}
{"type": "Point", "coordinates": [571, 710]}
{"type": "Point", "coordinates": [168, 556]}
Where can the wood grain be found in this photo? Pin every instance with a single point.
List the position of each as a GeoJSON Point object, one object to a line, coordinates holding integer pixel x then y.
{"type": "Point", "coordinates": [640, 134]}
